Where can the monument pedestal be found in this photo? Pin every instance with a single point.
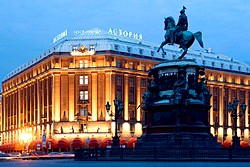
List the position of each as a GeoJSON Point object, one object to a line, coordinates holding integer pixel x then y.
{"type": "Point", "coordinates": [176, 107]}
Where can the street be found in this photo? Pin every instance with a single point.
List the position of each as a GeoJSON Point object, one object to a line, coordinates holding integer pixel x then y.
{"type": "Point", "coordinates": [70, 162]}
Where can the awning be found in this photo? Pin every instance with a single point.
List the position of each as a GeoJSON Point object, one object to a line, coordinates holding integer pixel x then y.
{"type": "Point", "coordinates": [63, 143]}
{"type": "Point", "coordinates": [131, 142]}
{"type": "Point", "coordinates": [226, 144]}
{"type": "Point", "coordinates": [4, 146]}
{"type": "Point", "coordinates": [106, 142]}
{"type": "Point", "coordinates": [8, 147]}
{"type": "Point", "coordinates": [31, 145]}
{"type": "Point", "coordinates": [93, 143]}
{"type": "Point", "coordinates": [244, 144]}
{"type": "Point", "coordinates": [36, 143]}
{"type": "Point", "coordinates": [18, 147]}
{"type": "Point", "coordinates": [53, 142]}
{"type": "Point", "coordinates": [77, 143]}
{"type": "Point", "coordinates": [123, 142]}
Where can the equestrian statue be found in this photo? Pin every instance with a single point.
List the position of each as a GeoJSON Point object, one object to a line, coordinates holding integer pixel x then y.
{"type": "Point", "coordinates": [179, 34]}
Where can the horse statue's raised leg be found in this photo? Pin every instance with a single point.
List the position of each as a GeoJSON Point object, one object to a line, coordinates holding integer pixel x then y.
{"type": "Point", "coordinates": [183, 54]}
{"type": "Point", "coordinates": [161, 47]}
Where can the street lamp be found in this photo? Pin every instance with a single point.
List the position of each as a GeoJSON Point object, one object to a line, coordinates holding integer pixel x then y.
{"type": "Point", "coordinates": [232, 108]}
{"type": "Point", "coordinates": [118, 108]}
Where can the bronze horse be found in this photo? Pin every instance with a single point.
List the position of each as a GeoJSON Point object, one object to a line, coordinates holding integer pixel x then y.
{"type": "Point", "coordinates": [184, 38]}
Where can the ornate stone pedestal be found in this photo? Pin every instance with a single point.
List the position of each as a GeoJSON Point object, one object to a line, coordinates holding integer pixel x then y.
{"type": "Point", "coordinates": [176, 106]}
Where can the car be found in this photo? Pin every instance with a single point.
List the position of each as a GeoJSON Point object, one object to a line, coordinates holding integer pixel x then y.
{"type": "Point", "coordinates": [54, 154]}
{"type": "Point", "coordinates": [15, 154]}
{"type": "Point", "coordinates": [4, 155]}
{"type": "Point", "coordinates": [68, 154]}
{"type": "Point", "coordinates": [37, 153]}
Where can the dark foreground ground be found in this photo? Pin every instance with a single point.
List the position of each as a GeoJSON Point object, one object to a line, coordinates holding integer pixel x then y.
{"type": "Point", "coordinates": [72, 163]}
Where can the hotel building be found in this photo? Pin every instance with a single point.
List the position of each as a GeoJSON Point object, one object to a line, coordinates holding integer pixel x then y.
{"type": "Point", "coordinates": [58, 99]}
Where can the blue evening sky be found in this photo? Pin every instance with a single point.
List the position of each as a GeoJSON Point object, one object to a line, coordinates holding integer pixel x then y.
{"type": "Point", "coordinates": [28, 27]}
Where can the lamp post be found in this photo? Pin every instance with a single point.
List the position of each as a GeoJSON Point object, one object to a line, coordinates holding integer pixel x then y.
{"type": "Point", "coordinates": [118, 108]}
{"type": "Point", "coordinates": [232, 108]}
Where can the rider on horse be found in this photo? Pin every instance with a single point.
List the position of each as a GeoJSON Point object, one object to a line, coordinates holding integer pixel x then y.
{"type": "Point", "coordinates": [179, 34]}
{"type": "Point", "coordinates": [181, 26]}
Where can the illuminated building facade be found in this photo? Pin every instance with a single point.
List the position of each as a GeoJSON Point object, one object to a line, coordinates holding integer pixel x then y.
{"type": "Point", "coordinates": [62, 93]}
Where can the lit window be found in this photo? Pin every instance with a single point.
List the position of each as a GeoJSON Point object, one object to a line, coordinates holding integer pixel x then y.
{"type": "Point", "coordinates": [74, 48]}
{"type": "Point", "coordinates": [131, 65]}
{"type": "Point", "coordinates": [83, 80]}
{"type": "Point", "coordinates": [84, 111]}
{"type": "Point", "coordinates": [86, 63]}
{"type": "Point", "coordinates": [143, 67]}
{"type": "Point", "coordinates": [92, 48]}
{"type": "Point", "coordinates": [84, 95]}
{"type": "Point", "coordinates": [80, 64]}
{"type": "Point", "coordinates": [86, 79]}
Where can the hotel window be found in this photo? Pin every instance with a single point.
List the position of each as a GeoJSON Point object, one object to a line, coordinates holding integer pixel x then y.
{"type": "Point", "coordinates": [83, 80]}
{"type": "Point", "coordinates": [116, 47]}
{"type": "Point", "coordinates": [86, 63]}
{"type": "Point", "coordinates": [118, 63]}
{"type": "Point", "coordinates": [215, 99]}
{"type": "Point", "coordinates": [242, 81]}
{"type": "Point", "coordinates": [222, 65]}
{"type": "Point", "coordinates": [129, 49]}
{"type": "Point", "coordinates": [233, 80]}
{"type": "Point", "coordinates": [84, 95]}
{"type": "Point", "coordinates": [143, 83]}
{"type": "Point", "coordinates": [143, 68]}
{"type": "Point", "coordinates": [203, 62]}
{"type": "Point", "coordinates": [152, 53]}
{"type": "Point", "coordinates": [141, 51]}
{"type": "Point", "coordinates": [84, 111]}
{"type": "Point", "coordinates": [212, 63]}
{"type": "Point", "coordinates": [230, 67]}
{"type": "Point", "coordinates": [119, 80]}
{"type": "Point", "coordinates": [131, 84]}
{"type": "Point", "coordinates": [119, 95]}
{"type": "Point", "coordinates": [233, 95]}
{"type": "Point", "coordinates": [74, 48]}
{"type": "Point", "coordinates": [92, 48]}
{"type": "Point", "coordinates": [215, 77]}
{"type": "Point", "coordinates": [80, 64]}
{"type": "Point", "coordinates": [131, 65]}
{"type": "Point", "coordinates": [224, 79]}
{"type": "Point", "coordinates": [239, 68]}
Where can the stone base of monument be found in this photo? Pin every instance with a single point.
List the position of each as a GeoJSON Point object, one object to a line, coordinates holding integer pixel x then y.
{"type": "Point", "coordinates": [176, 107]}
{"type": "Point", "coordinates": [177, 140]}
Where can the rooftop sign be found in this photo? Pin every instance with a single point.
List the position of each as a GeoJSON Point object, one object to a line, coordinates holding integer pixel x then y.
{"type": "Point", "coordinates": [125, 33]}
{"type": "Point", "coordinates": [60, 36]}
{"type": "Point", "coordinates": [112, 31]}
